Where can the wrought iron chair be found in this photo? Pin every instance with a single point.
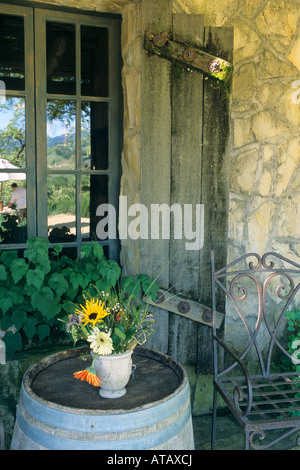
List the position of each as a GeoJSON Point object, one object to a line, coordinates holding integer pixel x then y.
{"type": "Point", "coordinates": [258, 292]}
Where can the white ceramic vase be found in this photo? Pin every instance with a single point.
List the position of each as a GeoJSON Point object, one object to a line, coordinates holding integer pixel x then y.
{"type": "Point", "coordinates": [114, 372]}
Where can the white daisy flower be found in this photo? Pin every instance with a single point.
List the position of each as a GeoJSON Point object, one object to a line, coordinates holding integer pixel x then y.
{"type": "Point", "coordinates": [101, 343]}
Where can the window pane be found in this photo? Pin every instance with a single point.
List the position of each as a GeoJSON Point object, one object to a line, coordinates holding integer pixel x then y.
{"type": "Point", "coordinates": [61, 124]}
{"type": "Point", "coordinates": [12, 69]}
{"type": "Point", "coordinates": [61, 208]}
{"type": "Point", "coordinates": [94, 61]}
{"type": "Point", "coordinates": [94, 136]}
{"type": "Point", "coordinates": [94, 192]}
{"type": "Point", "coordinates": [13, 214]}
{"type": "Point", "coordinates": [12, 134]}
{"type": "Point", "coordinates": [61, 58]}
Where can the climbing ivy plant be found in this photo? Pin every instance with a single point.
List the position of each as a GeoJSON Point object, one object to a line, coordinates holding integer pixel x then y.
{"type": "Point", "coordinates": [41, 286]}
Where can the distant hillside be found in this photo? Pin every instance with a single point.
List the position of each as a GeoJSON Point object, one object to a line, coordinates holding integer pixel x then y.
{"type": "Point", "coordinates": [57, 140]}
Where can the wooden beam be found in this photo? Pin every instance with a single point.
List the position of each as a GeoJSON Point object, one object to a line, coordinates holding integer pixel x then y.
{"type": "Point", "coordinates": [185, 307]}
{"type": "Point", "coordinates": [155, 159]}
{"type": "Point", "coordinates": [189, 57]}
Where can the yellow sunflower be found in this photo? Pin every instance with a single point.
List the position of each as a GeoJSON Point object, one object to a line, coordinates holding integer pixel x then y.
{"type": "Point", "coordinates": [93, 311]}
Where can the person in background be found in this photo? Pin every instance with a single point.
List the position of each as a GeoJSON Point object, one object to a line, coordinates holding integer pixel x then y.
{"type": "Point", "coordinates": [18, 198]}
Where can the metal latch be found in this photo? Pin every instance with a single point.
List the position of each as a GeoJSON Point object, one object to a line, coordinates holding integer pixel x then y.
{"type": "Point", "coordinates": [187, 56]}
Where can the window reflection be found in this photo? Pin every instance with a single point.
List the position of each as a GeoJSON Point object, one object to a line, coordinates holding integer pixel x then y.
{"type": "Point", "coordinates": [13, 205]}
{"type": "Point", "coordinates": [94, 192]}
{"type": "Point", "coordinates": [12, 132]}
{"type": "Point", "coordinates": [61, 134]}
{"type": "Point", "coordinates": [94, 136]}
{"type": "Point", "coordinates": [61, 208]}
{"type": "Point", "coordinates": [94, 61]}
{"type": "Point", "coordinates": [12, 69]}
{"type": "Point", "coordinates": [61, 58]}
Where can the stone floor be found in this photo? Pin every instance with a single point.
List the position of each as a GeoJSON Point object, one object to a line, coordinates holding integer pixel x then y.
{"type": "Point", "coordinates": [229, 435]}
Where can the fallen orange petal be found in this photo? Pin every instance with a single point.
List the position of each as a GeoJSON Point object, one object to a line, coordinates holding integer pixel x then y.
{"type": "Point", "coordinates": [81, 374]}
{"type": "Point", "coordinates": [88, 377]}
{"type": "Point", "coordinates": [96, 381]}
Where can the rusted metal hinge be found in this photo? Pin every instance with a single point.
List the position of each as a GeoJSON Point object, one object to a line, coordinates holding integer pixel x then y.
{"type": "Point", "coordinates": [185, 307]}
{"type": "Point", "coordinates": [187, 56]}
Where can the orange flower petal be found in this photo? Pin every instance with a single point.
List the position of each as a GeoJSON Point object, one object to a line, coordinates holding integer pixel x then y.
{"type": "Point", "coordinates": [81, 374]}
{"type": "Point", "coordinates": [88, 377]}
{"type": "Point", "coordinates": [96, 381]}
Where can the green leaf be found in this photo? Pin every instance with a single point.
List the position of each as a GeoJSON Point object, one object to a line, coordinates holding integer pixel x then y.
{"type": "Point", "coordinates": [91, 272]}
{"type": "Point", "coordinates": [13, 341]}
{"type": "Point", "coordinates": [16, 294]}
{"type": "Point", "coordinates": [5, 300]}
{"type": "Point", "coordinates": [119, 331]}
{"type": "Point", "coordinates": [111, 271]}
{"type": "Point", "coordinates": [44, 265]}
{"type": "Point", "coordinates": [6, 322]}
{"type": "Point", "coordinates": [66, 272]}
{"type": "Point", "coordinates": [30, 327]}
{"type": "Point", "coordinates": [150, 287]}
{"type": "Point", "coordinates": [71, 293]}
{"type": "Point", "coordinates": [85, 251]}
{"type": "Point", "coordinates": [37, 252]}
{"type": "Point", "coordinates": [102, 285]}
{"type": "Point", "coordinates": [18, 318]}
{"type": "Point", "coordinates": [131, 286]}
{"type": "Point", "coordinates": [57, 249]}
{"type": "Point", "coordinates": [54, 309]}
{"type": "Point", "coordinates": [76, 280]}
{"type": "Point", "coordinates": [58, 284]}
{"type": "Point", "coordinates": [3, 273]}
{"type": "Point", "coordinates": [97, 250]}
{"type": "Point", "coordinates": [18, 269]}
{"type": "Point", "coordinates": [130, 333]}
{"type": "Point", "coordinates": [41, 300]}
{"type": "Point", "coordinates": [69, 306]}
{"type": "Point", "coordinates": [85, 281]}
{"type": "Point", "coordinates": [8, 256]}
{"type": "Point", "coordinates": [43, 331]}
{"type": "Point", "coordinates": [35, 277]}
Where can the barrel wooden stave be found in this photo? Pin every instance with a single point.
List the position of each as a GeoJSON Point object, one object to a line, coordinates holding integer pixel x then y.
{"type": "Point", "coordinates": [164, 424]}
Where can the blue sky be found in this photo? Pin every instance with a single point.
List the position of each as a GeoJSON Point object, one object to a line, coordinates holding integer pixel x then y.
{"type": "Point", "coordinates": [56, 128]}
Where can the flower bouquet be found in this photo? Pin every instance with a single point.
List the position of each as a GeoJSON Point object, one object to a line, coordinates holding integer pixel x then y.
{"type": "Point", "coordinates": [112, 322]}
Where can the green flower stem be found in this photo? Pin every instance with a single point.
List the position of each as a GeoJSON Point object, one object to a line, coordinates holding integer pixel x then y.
{"type": "Point", "coordinates": [85, 331]}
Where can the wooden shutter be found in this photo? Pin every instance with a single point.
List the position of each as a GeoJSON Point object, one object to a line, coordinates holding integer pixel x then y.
{"type": "Point", "coordinates": [185, 130]}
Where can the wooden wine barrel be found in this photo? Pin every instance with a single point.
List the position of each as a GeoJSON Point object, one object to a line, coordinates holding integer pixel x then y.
{"type": "Point", "coordinates": [56, 411]}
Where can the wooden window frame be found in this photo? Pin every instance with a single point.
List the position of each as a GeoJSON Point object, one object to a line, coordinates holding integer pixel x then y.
{"type": "Point", "coordinates": [36, 120]}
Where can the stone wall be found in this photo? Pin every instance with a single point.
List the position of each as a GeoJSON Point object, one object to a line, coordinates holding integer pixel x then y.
{"type": "Point", "coordinates": [264, 204]}
{"type": "Point", "coordinates": [265, 113]}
